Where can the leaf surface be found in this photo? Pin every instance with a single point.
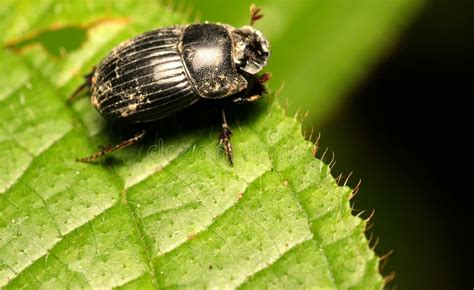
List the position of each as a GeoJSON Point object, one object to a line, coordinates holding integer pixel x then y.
{"type": "Point", "coordinates": [166, 213]}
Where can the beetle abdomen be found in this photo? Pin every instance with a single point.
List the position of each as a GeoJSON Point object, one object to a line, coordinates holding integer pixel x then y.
{"type": "Point", "coordinates": [143, 79]}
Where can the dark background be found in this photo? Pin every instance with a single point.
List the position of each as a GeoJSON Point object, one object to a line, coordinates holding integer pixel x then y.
{"type": "Point", "coordinates": [405, 132]}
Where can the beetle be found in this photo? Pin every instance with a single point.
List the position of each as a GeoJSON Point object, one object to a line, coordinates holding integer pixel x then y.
{"type": "Point", "coordinates": [161, 72]}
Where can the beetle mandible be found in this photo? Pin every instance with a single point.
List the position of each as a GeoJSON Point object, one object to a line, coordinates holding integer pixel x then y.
{"type": "Point", "coordinates": [160, 72]}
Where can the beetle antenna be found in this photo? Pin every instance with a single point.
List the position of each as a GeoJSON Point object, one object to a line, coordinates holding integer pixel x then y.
{"type": "Point", "coordinates": [255, 14]}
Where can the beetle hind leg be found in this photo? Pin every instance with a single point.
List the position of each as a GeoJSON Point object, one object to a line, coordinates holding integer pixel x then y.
{"type": "Point", "coordinates": [107, 150]}
{"type": "Point", "coordinates": [224, 139]}
{"type": "Point", "coordinates": [86, 85]}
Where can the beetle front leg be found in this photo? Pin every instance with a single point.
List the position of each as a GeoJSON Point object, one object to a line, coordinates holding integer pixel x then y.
{"type": "Point", "coordinates": [224, 139]}
{"type": "Point", "coordinates": [255, 14]}
{"type": "Point", "coordinates": [254, 95]}
{"type": "Point", "coordinates": [264, 78]}
{"type": "Point", "coordinates": [105, 151]}
{"type": "Point", "coordinates": [249, 99]}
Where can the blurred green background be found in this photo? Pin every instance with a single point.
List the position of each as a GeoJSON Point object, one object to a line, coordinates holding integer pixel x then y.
{"type": "Point", "coordinates": [384, 83]}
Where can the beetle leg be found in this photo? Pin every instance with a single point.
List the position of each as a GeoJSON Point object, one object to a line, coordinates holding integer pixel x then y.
{"type": "Point", "coordinates": [104, 151]}
{"type": "Point", "coordinates": [84, 86]}
{"type": "Point", "coordinates": [254, 94]}
{"type": "Point", "coordinates": [264, 78]}
{"type": "Point", "coordinates": [224, 139]}
{"type": "Point", "coordinates": [249, 99]}
{"type": "Point", "coordinates": [77, 92]}
{"type": "Point", "coordinates": [255, 14]}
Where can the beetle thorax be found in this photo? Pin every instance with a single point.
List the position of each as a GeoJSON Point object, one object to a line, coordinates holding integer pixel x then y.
{"type": "Point", "coordinates": [251, 49]}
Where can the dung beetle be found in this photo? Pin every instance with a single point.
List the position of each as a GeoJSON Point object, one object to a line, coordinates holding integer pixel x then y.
{"type": "Point", "coordinates": [160, 72]}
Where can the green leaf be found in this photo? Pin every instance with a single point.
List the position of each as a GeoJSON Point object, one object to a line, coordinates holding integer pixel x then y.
{"type": "Point", "coordinates": [167, 213]}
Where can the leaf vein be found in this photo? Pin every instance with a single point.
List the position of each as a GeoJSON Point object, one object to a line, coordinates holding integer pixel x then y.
{"type": "Point", "coordinates": [53, 245]}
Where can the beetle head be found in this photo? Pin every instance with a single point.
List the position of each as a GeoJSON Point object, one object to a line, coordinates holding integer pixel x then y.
{"type": "Point", "coordinates": [251, 49]}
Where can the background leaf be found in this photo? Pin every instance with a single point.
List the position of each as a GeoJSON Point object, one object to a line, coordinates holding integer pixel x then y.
{"type": "Point", "coordinates": [321, 49]}
{"type": "Point", "coordinates": [169, 212]}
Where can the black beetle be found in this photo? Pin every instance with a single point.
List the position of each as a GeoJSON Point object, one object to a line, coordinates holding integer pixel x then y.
{"type": "Point", "coordinates": [161, 72]}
